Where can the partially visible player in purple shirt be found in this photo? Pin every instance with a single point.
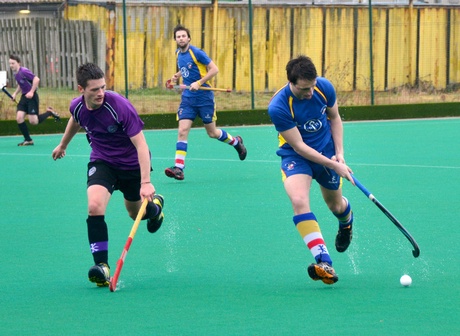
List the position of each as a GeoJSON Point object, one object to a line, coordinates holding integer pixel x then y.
{"type": "Point", "coordinates": [119, 160]}
{"type": "Point", "coordinates": [28, 104]}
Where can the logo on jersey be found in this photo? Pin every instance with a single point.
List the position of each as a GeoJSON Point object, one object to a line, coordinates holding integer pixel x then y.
{"type": "Point", "coordinates": [333, 180]}
{"type": "Point", "coordinates": [91, 171]}
{"type": "Point", "coordinates": [313, 125]}
{"type": "Point", "coordinates": [184, 72]}
{"type": "Point", "coordinates": [94, 247]}
{"type": "Point", "coordinates": [112, 128]}
{"type": "Point", "coordinates": [290, 165]}
{"type": "Point", "coordinates": [322, 249]}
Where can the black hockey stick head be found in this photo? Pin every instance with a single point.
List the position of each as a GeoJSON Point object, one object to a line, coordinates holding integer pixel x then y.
{"type": "Point", "coordinates": [7, 93]}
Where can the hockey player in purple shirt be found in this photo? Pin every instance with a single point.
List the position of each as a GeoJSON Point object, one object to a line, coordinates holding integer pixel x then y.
{"type": "Point", "coordinates": [28, 104]}
{"type": "Point", "coordinates": [119, 160]}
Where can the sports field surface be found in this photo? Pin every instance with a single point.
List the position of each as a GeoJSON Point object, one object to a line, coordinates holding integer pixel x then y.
{"type": "Point", "coordinates": [228, 259]}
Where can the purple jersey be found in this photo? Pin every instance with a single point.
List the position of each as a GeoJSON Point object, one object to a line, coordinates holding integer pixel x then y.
{"type": "Point", "coordinates": [109, 129]}
{"type": "Point", "coordinates": [24, 77]}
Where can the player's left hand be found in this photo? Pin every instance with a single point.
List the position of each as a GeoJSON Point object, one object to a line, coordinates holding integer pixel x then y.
{"type": "Point", "coordinates": [342, 169]}
{"type": "Point", "coordinates": [338, 158]}
{"type": "Point", "coordinates": [195, 86]}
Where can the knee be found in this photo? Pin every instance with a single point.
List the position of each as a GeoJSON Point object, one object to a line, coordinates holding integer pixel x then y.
{"type": "Point", "coordinates": [182, 133]}
{"type": "Point", "coordinates": [20, 119]}
{"type": "Point", "coordinates": [33, 122]}
{"type": "Point", "coordinates": [95, 208]}
{"type": "Point", "coordinates": [300, 203]}
{"type": "Point", "coordinates": [337, 207]}
{"type": "Point", "coordinates": [212, 135]}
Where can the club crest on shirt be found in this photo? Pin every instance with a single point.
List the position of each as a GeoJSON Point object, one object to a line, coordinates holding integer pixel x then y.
{"type": "Point", "coordinates": [112, 128]}
{"type": "Point", "coordinates": [184, 72]}
{"type": "Point", "coordinates": [313, 125]}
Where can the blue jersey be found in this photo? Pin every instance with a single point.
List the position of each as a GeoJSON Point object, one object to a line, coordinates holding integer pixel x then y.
{"type": "Point", "coordinates": [192, 65]}
{"type": "Point", "coordinates": [308, 115]}
{"type": "Point", "coordinates": [109, 129]}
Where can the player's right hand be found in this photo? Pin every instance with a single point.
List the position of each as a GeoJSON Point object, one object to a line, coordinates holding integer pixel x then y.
{"type": "Point", "coordinates": [344, 171]}
{"type": "Point", "coordinates": [58, 153]}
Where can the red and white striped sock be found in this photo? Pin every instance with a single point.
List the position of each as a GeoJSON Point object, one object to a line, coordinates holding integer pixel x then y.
{"type": "Point", "coordinates": [310, 232]}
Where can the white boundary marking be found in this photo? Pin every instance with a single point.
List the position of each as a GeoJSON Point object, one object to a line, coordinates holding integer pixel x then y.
{"type": "Point", "coordinates": [249, 160]}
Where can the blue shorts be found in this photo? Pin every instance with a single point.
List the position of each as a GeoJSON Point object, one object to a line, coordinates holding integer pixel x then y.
{"type": "Point", "coordinates": [293, 164]}
{"type": "Point", "coordinates": [190, 108]}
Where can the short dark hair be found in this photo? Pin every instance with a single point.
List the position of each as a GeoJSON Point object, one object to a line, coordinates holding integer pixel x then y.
{"type": "Point", "coordinates": [301, 67]}
{"type": "Point", "coordinates": [88, 72]}
{"type": "Point", "coordinates": [180, 27]}
{"type": "Point", "coordinates": [16, 58]}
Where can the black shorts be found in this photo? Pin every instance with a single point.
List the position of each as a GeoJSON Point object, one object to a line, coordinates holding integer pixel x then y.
{"type": "Point", "coordinates": [127, 181]}
{"type": "Point", "coordinates": [29, 106]}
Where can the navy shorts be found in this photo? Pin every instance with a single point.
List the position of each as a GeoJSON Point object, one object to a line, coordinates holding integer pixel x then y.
{"type": "Point", "coordinates": [189, 108]}
{"type": "Point", "coordinates": [127, 181]}
{"type": "Point", "coordinates": [29, 106]}
{"type": "Point", "coordinates": [293, 164]}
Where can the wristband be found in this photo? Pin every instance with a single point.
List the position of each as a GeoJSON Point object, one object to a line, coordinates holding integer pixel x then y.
{"type": "Point", "coordinates": [145, 182]}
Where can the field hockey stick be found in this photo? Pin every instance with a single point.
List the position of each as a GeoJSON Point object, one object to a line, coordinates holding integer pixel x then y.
{"type": "Point", "coordinates": [204, 88]}
{"type": "Point", "coordinates": [416, 250]}
{"type": "Point", "coordinates": [8, 94]}
{"type": "Point", "coordinates": [121, 261]}
{"type": "Point", "coordinates": [170, 85]}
